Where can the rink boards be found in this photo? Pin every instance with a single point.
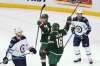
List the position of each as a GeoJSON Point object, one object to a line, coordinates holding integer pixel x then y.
{"type": "Point", "coordinates": [37, 6]}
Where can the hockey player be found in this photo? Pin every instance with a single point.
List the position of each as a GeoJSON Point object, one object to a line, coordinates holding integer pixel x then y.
{"type": "Point", "coordinates": [55, 44]}
{"type": "Point", "coordinates": [45, 30]}
{"type": "Point", "coordinates": [81, 29]}
{"type": "Point", "coordinates": [17, 48]}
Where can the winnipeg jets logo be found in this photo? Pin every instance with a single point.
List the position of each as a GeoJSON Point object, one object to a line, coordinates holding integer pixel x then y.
{"type": "Point", "coordinates": [22, 48]}
{"type": "Point", "coordinates": [80, 27]}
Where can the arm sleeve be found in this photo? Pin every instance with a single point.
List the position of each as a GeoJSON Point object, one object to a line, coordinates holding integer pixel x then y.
{"type": "Point", "coordinates": [66, 27]}
{"type": "Point", "coordinates": [88, 25]}
{"type": "Point", "coordinates": [63, 31]}
{"type": "Point", "coordinates": [46, 29]}
{"type": "Point", "coordinates": [9, 50]}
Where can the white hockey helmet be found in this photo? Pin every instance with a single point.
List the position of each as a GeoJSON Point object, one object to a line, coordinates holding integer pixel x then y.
{"type": "Point", "coordinates": [16, 30]}
{"type": "Point", "coordinates": [79, 11]}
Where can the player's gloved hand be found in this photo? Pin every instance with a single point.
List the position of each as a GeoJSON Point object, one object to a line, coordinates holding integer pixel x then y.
{"type": "Point", "coordinates": [88, 31]}
{"type": "Point", "coordinates": [73, 30]}
{"type": "Point", "coordinates": [5, 60]}
{"type": "Point", "coordinates": [33, 50]}
{"type": "Point", "coordinates": [45, 51]}
{"type": "Point", "coordinates": [39, 23]}
{"type": "Point", "coordinates": [69, 18]}
{"type": "Point", "coordinates": [67, 26]}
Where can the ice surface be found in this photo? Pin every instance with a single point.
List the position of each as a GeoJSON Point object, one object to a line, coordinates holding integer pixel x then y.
{"type": "Point", "coordinates": [27, 19]}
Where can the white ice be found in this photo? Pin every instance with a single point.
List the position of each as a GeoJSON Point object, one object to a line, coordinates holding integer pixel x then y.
{"type": "Point", "coordinates": [27, 20]}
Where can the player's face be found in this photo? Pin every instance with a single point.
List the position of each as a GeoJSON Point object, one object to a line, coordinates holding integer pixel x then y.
{"type": "Point", "coordinates": [19, 34]}
{"type": "Point", "coordinates": [43, 20]}
{"type": "Point", "coordinates": [79, 14]}
{"type": "Point", "coordinates": [55, 29]}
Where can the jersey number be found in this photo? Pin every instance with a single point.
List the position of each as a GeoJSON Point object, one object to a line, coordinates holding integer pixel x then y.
{"type": "Point", "coordinates": [59, 40]}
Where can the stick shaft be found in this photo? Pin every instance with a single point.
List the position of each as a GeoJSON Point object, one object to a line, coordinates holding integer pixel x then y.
{"type": "Point", "coordinates": [38, 26]}
{"type": "Point", "coordinates": [71, 16]}
{"type": "Point", "coordinates": [68, 40]}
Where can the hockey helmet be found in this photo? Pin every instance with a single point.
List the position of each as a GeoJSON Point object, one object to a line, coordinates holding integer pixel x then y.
{"type": "Point", "coordinates": [44, 16]}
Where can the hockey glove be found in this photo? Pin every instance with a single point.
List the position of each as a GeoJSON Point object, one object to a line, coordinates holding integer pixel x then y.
{"type": "Point", "coordinates": [69, 18]}
{"type": "Point", "coordinates": [87, 33]}
{"type": "Point", "coordinates": [39, 23]}
{"type": "Point", "coordinates": [45, 51]}
{"type": "Point", "coordinates": [33, 50]}
{"type": "Point", "coordinates": [73, 30]}
{"type": "Point", "coordinates": [5, 60]}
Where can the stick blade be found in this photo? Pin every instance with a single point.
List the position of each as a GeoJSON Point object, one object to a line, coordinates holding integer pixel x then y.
{"type": "Point", "coordinates": [43, 6]}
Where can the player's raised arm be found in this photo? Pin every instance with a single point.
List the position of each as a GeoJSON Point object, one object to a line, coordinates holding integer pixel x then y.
{"type": "Point", "coordinates": [66, 27]}
{"type": "Point", "coordinates": [68, 23]}
{"type": "Point", "coordinates": [44, 24]}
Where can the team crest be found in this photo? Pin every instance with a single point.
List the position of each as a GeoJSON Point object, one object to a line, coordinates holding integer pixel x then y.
{"type": "Point", "coordinates": [80, 27]}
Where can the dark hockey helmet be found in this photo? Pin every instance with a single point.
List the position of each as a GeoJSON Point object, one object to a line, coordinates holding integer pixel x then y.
{"type": "Point", "coordinates": [55, 27]}
{"type": "Point", "coordinates": [44, 16]}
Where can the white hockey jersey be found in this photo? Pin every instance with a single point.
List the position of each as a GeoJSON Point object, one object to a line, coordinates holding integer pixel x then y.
{"type": "Point", "coordinates": [17, 46]}
{"type": "Point", "coordinates": [80, 27]}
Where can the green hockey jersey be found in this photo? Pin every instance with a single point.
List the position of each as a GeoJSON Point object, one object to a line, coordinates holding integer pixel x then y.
{"type": "Point", "coordinates": [45, 30]}
{"type": "Point", "coordinates": [55, 43]}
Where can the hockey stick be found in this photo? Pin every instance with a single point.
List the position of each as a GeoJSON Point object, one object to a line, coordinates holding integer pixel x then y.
{"type": "Point", "coordinates": [75, 8]}
{"type": "Point", "coordinates": [71, 16]}
{"type": "Point", "coordinates": [38, 26]}
{"type": "Point", "coordinates": [16, 58]}
{"type": "Point", "coordinates": [68, 39]}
